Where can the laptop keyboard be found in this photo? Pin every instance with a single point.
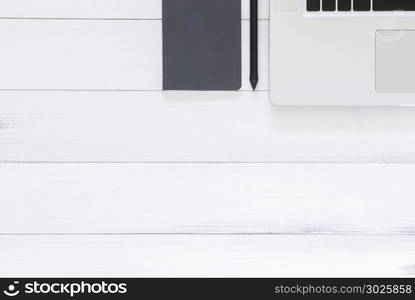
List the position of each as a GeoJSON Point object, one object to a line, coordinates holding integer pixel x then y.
{"type": "Point", "coordinates": [360, 5]}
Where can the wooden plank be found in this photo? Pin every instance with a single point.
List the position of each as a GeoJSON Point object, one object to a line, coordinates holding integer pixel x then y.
{"type": "Point", "coordinates": [195, 127]}
{"type": "Point", "coordinates": [94, 55]}
{"type": "Point", "coordinates": [207, 256]}
{"type": "Point", "coordinates": [137, 9]}
{"type": "Point", "coordinates": [207, 198]}
{"type": "Point", "coordinates": [80, 54]}
{"type": "Point", "coordinates": [112, 9]}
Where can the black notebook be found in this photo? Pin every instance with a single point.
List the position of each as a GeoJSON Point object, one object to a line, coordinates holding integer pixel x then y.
{"type": "Point", "coordinates": [201, 44]}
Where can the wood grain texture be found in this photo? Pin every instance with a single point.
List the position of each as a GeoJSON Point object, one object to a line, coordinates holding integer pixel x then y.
{"type": "Point", "coordinates": [207, 198]}
{"type": "Point", "coordinates": [110, 9]}
{"type": "Point", "coordinates": [95, 55]}
{"type": "Point", "coordinates": [207, 256]}
{"type": "Point", "coordinates": [195, 127]}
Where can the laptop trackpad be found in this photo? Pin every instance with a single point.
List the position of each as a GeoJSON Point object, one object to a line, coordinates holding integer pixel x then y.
{"type": "Point", "coordinates": [395, 61]}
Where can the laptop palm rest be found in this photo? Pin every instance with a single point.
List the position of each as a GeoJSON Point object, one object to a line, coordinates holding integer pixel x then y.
{"type": "Point", "coordinates": [395, 61]}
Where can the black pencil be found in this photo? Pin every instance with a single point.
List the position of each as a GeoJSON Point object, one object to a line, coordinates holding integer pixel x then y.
{"type": "Point", "coordinates": [253, 78]}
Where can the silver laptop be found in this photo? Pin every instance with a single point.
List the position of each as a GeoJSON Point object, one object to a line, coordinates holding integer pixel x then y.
{"type": "Point", "coordinates": [342, 52]}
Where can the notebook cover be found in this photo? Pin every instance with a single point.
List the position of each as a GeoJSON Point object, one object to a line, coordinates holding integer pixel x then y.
{"type": "Point", "coordinates": [201, 44]}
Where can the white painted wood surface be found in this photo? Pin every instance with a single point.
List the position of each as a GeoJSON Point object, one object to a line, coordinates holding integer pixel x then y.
{"type": "Point", "coordinates": [207, 256]}
{"type": "Point", "coordinates": [195, 127]}
{"type": "Point", "coordinates": [207, 198]}
{"type": "Point", "coordinates": [82, 162]}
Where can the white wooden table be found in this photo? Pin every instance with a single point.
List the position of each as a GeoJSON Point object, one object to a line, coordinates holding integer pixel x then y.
{"type": "Point", "coordinates": [103, 174]}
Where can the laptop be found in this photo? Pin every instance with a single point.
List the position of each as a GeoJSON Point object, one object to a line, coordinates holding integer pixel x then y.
{"type": "Point", "coordinates": [342, 52]}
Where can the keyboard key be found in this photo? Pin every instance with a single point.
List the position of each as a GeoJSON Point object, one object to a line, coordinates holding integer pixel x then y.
{"type": "Point", "coordinates": [329, 5]}
{"type": "Point", "coordinates": [363, 5]}
{"type": "Point", "coordinates": [313, 5]}
{"type": "Point", "coordinates": [344, 5]}
{"type": "Point", "coordinates": [390, 5]}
